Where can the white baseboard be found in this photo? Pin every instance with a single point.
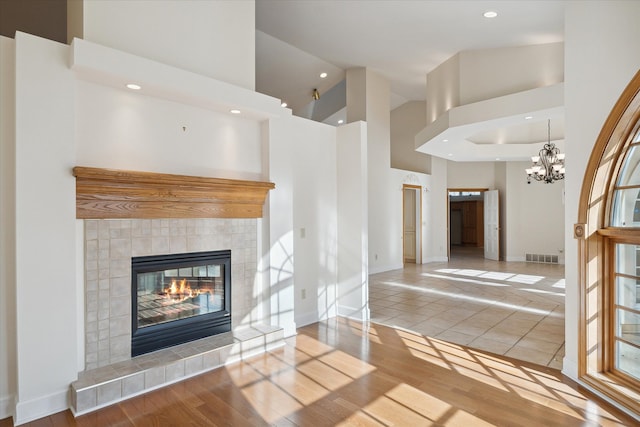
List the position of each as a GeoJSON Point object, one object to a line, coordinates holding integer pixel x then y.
{"type": "Point", "coordinates": [289, 329]}
{"type": "Point", "coordinates": [357, 313]}
{"type": "Point", "coordinates": [382, 269]}
{"type": "Point", "coordinates": [435, 259]}
{"type": "Point", "coordinates": [41, 407]}
{"type": "Point", "coordinates": [6, 407]}
{"type": "Point", "coordinates": [306, 319]}
{"type": "Point", "coordinates": [570, 368]}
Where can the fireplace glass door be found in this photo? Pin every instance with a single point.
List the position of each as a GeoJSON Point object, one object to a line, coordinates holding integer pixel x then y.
{"type": "Point", "coordinates": [179, 298]}
{"type": "Point", "coordinates": [179, 293]}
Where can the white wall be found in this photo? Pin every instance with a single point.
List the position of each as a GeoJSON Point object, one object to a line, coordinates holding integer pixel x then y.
{"type": "Point", "coordinates": [45, 227]}
{"type": "Point", "coordinates": [356, 94]}
{"type": "Point", "coordinates": [315, 227]}
{"type": "Point", "coordinates": [535, 215]}
{"type": "Point", "coordinates": [471, 175]}
{"type": "Point", "coordinates": [602, 39]}
{"type": "Point", "coordinates": [398, 178]}
{"type": "Point", "coordinates": [437, 203]}
{"type": "Point", "coordinates": [302, 213]}
{"type": "Point", "coordinates": [62, 122]}
{"type": "Point", "coordinates": [385, 211]}
{"type": "Point", "coordinates": [278, 252]}
{"type": "Point", "coordinates": [353, 221]}
{"type": "Point", "coordinates": [120, 129]}
{"type": "Point", "coordinates": [443, 88]}
{"type": "Point", "coordinates": [85, 123]}
{"type": "Point", "coordinates": [7, 224]}
{"type": "Point", "coordinates": [406, 121]}
{"type": "Point", "coordinates": [123, 129]}
{"type": "Point", "coordinates": [478, 75]}
{"type": "Point", "coordinates": [368, 99]}
{"type": "Point", "coordinates": [490, 73]}
{"type": "Point", "coordinates": [524, 228]}
{"type": "Point", "coordinates": [212, 38]}
{"type": "Point", "coordinates": [501, 185]}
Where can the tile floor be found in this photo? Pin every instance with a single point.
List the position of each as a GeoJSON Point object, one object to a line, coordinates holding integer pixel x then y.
{"type": "Point", "coordinates": [514, 309]}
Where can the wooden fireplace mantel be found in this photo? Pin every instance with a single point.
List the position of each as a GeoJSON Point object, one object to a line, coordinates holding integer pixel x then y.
{"type": "Point", "coordinates": [109, 193]}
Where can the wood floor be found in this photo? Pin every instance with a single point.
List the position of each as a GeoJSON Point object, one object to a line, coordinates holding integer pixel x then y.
{"type": "Point", "coordinates": [343, 373]}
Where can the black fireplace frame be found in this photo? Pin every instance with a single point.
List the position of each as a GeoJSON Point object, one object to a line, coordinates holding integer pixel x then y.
{"type": "Point", "coordinates": [163, 335]}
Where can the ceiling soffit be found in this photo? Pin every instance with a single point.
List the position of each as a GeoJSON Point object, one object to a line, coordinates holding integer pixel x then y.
{"type": "Point", "coordinates": [465, 133]}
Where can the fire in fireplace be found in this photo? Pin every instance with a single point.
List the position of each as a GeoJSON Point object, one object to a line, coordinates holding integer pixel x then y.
{"type": "Point", "coordinates": [179, 298]}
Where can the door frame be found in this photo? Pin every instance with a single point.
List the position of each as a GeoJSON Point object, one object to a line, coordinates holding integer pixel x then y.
{"type": "Point", "coordinates": [449, 190]}
{"type": "Point", "coordinates": [418, 225]}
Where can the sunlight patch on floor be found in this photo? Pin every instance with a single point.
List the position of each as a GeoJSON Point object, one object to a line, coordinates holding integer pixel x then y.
{"type": "Point", "coordinates": [270, 401]}
{"type": "Point", "coordinates": [492, 371]}
{"type": "Point", "coordinates": [458, 279]}
{"type": "Point", "coordinates": [434, 359]}
{"type": "Point", "coordinates": [559, 284]}
{"type": "Point", "coordinates": [486, 301]}
{"type": "Point", "coordinates": [525, 278]}
{"type": "Point", "coordinates": [447, 270]}
{"type": "Point", "coordinates": [495, 275]}
{"type": "Point", "coordinates": [405, 405]}
{"type": "Point", "coordinates": [470, 272]}
{"type": "Point", "coordinates": [347, 364]}
{"type": "Point", "coordinates": [276, 389]}
{"type": "Point", "coordinates": [542, 291]}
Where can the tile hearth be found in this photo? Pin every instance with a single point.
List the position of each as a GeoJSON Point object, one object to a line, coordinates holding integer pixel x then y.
{"type": "Point", "coordinates": [100, 387]}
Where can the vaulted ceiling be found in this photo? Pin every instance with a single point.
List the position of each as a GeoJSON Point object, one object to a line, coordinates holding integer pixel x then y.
{"type": "Point", "coordinates": [401, 40]}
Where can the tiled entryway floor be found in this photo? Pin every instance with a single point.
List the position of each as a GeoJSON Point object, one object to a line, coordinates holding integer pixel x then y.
{"type": "Point", "coordinates": [514, 309]}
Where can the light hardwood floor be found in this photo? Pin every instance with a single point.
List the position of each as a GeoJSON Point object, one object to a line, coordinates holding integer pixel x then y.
{"type": "Point", "coordinates": [514, 309]}
{"type": "Point", "coordinates": [345, 373]}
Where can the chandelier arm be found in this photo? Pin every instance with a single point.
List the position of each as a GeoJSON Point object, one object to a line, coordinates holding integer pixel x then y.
{"type": "Point", "coordinates": [548, 166]}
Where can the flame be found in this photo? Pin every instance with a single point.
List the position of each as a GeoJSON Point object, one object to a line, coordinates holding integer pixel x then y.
{"type": "Point", "coordinates": [183, 289]}
{"type": "Point", "coordinates": [177, 293]}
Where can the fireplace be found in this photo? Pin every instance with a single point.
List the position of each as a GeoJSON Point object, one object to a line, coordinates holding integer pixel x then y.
{"type": "Point", "coordinates": [179, 298]}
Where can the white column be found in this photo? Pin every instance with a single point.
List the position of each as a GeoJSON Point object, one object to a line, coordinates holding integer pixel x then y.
{"type": "Point", "coordinates": [46, 314]}
{"type": "Point", "coordinates": [353, 269]}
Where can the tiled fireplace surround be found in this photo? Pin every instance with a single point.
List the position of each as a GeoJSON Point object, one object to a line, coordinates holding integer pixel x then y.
{"type": "Point", "coordinates": [109, 246]}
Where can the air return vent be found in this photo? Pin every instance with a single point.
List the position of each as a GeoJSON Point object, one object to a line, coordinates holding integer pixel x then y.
{"type": "Point", "coordinates": [542, 258]}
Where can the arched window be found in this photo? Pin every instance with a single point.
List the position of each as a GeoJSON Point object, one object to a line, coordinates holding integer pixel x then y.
{"type": "Point", "coordinates": [609, 256]}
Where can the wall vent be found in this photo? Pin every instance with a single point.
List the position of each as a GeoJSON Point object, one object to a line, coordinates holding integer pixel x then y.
{"type": "Point", "coordinates": [541, 258]}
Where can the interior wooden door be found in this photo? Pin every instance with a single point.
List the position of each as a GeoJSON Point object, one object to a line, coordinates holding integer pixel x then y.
{"type": "Point", "coordinates": [409, 225]}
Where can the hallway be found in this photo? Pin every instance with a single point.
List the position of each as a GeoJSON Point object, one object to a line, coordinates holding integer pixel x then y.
{"type": "Point", "coordinates": [514, 309]}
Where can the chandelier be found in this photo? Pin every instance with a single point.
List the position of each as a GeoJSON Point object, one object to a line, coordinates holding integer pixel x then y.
{"type": "Point", "coordinates": [548, 165]}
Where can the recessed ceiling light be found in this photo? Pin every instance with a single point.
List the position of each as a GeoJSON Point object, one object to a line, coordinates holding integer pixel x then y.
{"type": "Point", "coordinates": [490, 14]}
{"type": "Point", "coordinates": [497, 158]}
{"type": "Point", "coordinates": [340, 121]}
{"type": "Point", "coordinates": [134, 86]}
{"type": "Point", "coordinates": [234, 111]}
{"type": "Point", "coordinates": [284, 104]}
{"type": "Point", "coordinates": [450, 154]}
{"type": "Point", "coordinates": [323, 75]}
{"type": "Point", "coordinates": [528, 118]}
{"type": "Point", "coordinates": [445, 140]}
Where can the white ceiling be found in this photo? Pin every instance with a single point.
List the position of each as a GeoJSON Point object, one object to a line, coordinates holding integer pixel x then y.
{"type": "Point", "coordinates": [402, 40]}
